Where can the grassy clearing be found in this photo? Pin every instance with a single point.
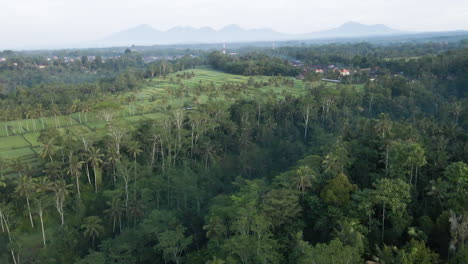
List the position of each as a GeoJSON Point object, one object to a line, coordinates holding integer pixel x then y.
{"type": "Point", "coordinates": [17, 153]}
{"type": "Point", "coordinates": [33, 139]}
{"type": "Point", "coordinates": [13, 142]}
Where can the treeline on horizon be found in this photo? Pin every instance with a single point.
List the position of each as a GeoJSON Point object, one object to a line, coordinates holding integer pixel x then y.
{"type": "Point", "coordinates": [339, 174]}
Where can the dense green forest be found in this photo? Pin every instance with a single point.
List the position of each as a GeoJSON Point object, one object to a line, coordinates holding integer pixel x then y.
{"type": "Point", "coordinates": [252, 167]}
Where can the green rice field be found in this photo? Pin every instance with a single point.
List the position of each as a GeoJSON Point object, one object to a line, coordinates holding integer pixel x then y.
{"type": "Point", "coordinates": [19, 138]}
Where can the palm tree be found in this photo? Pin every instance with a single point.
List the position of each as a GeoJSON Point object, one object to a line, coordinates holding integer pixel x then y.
{"type": "Point", "coordinates": [31, 114]}
{"type": "Point", "coordinates": [42, 202]}
{"type": "Point", "coordinates": [84, 156]}
{"type": "Point", "coordinates": [114, 212]}
{"type": "Point", "coordinates": [93, 227]}
{"type": "Point", "coordinates": [124, 170]}
{"type": "Point", "coordinates": [94, 156]}
{"type": "Point", "coordinates": [56, 111]}
{"type": "Point", "coordinates": [113, 158]}
{"type": "Point", "coordinates": [86, 108]}
{"type": "Point", "coordinates": [53, 170]}
{"type": "Point", "coordinates": [40, 112]}
{"type": "Point", "coordinates": [75, 107]}
{"type": "Point", "coordinates": [25, 188]}
{"type": "Point", "coordinates": [457, 110]}
{"type": "Point", "coordinates": [18, 166]}
{"type": "Point", "coordinates": [305, 177]}
{"type": "Point", "coordinates": [48, 150]}
{"type": "Point", "coordinates": [43, 184]}
{"type": "Point", "coordinates": [61, 190]}
{"type": "Point", "coordinates": [331, 164]}
{"type": "Point", "coordinates": [74, 169]}
{"type": "Point", "coordinates": [134, 149]}
{"type": "Point", "coordinates": [135, 210]}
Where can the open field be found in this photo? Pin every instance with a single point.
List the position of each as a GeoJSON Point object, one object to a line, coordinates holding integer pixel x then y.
{"type": "Point", "coordinates": [20, 138]}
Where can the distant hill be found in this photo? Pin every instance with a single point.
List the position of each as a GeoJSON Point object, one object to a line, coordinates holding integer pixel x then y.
{"type": "Point", "coordinates": [354, 29]}
{"type": "Point", "coordinates": [146, 35]}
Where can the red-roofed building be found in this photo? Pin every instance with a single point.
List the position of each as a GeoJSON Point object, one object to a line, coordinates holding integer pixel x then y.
{"type": "Point", "coordinates": [344, 72]}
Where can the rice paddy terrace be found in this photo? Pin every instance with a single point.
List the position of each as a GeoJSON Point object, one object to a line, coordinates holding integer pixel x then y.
{"type": "Point", "coordinates": [153, 100]}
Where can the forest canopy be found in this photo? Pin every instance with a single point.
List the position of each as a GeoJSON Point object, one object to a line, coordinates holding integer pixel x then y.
{"type": "Point", "coordinates": [252, 157]}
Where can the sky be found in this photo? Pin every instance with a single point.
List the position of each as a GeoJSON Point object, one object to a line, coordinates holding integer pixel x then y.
{"type": "Point", "coordinates": [42, 23]}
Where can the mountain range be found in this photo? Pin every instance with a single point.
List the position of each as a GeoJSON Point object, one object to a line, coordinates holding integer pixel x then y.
{"type": "Point", "coordinates": [147, 35]}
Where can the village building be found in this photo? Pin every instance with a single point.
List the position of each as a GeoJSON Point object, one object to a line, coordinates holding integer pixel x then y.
{"type": "Point", "coordinates": [344, 72]}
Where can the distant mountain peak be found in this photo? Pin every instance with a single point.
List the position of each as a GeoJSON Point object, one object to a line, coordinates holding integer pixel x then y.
{"type": "Point", "coordinates": [143, 26]}
{"type": "Point", "coordinates": [145, 34]}
{"type": "Point", "coordinates": [356, 29]}
{"type": "Point", "coordinates": [231, 27]}
{"type": "Point", "coordinates": [352, 23]}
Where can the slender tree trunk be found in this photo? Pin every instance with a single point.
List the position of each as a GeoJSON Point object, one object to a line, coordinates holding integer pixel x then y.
{"type": "Point", "coordinates": [29, 210]}
{"type": "Point", "coordinates": [87, 173]}
{"type": "Point", "coordinates": [162, 156]}
{"type": "Point", "coordinates": [383, 222]}
{"type": "Point", "coordinates": [4, 220]}
{"type": "Point", "coordinates": [416, 176]}
{"type": "Point", "coordinates": [135, 179]}
{"type": "Point", "coordinates": [386, 160]}
{"type": "Point", "coordinates": [306, 124]}
{"type": "Point", "coordinates": [42, 228]}
{"type": "Point", "coordinates": [153, 154]}
{"type": "Point", "coordinates": [13, 256]}
{"type": "Point", "coordinates": [78, 185]}
{"type": "Point", "coordinates": [1, 221]}
{"type": "Point", "coordinates": [126, 194]}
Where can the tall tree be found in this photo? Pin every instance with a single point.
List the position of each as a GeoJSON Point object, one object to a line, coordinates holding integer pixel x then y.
{"type": "Point", "coordinates": [95, 158]}
{"type": "Point", "coordinates": [93, 228]}
{"type": "Point", "coordinates": [25, 188]}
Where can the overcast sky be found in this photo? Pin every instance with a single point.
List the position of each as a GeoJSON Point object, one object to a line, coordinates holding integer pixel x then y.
{"type": "Point", "coordinates": [25, 23]}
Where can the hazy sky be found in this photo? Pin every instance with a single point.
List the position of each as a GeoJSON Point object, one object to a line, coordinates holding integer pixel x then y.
{"type": "Point", "coordinates": [25, 23]}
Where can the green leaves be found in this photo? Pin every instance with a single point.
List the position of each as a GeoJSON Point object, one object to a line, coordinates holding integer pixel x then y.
{"type": "Point", "coordinates": [338, 191]}
{"type": "Point", "coordinates": [393, 192]}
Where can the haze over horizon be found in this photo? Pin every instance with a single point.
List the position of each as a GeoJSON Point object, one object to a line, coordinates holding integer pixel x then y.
{"type": "Point", "coordinates": [43, 22]}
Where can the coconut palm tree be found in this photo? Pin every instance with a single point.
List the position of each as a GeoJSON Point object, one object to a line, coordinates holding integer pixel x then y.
{"type": "Point", "coordinates": [25, 188]}
{"type": "Point", "coordinates": [74, 169]}
{"type": "Point", "coordinates": [93, 227]}
{"type": "Point", "coordinates": [48, 150]}
{"type": "Point", "coordinates": [42, 201]}
{"type": "Point", "coordinates": [113, 158]}
{"type": "Point", "coordinates": [86, 108]}
{"type": "Point", "coordinates": [133, 148]}
{"type": "Point", "coordinates": [305, 178]}
{"type": "Point", "coordinates": [56, 111]}
{"type": "Point", "coordinates": [40, 113]}
{"type": "Point", "coordinates": [75, 107]}
{"type": "Point", "coordinates": [43, 185]}
{"type": "Point", "coordinates": [124, 170]}
{"type": "Point", "coordinates": [457, 109]}
{"type": "Point", "coordinates": [114, 212]}
{"type": "Point", "coordinates": [61, 190]}
{"type": "Point", "coordinates": [135, 210]}
{"type": "Point", "coordinates": [95, 158]}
